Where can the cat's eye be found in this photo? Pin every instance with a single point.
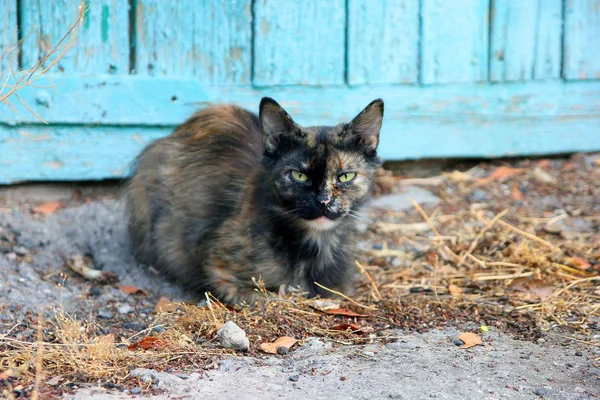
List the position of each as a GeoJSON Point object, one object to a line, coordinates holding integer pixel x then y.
{"type": "Point", "coordinates": [299, 176]}
{"type": "Point", "coordinates": [347, 177]}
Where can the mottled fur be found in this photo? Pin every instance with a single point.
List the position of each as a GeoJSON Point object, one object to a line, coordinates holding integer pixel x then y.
{"type": "Point", "coordinates": [214, 204]}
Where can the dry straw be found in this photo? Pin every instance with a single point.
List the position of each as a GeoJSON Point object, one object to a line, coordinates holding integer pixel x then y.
{"type": "Point", "coordinates": [13, 81]}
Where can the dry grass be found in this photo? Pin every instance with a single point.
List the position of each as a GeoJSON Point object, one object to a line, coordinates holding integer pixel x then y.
{"type": "Point", "coordinates": [13, 81]}
{"type": "Point", "coordinates": [470, 266]}
{"type": "Point", "coordinates": [483, 257]}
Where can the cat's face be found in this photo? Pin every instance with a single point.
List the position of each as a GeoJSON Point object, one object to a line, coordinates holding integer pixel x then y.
{"type": "Point", "coordinates": [321, 175]}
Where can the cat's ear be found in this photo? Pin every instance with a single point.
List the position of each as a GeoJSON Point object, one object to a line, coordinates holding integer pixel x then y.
{"type": "Point", "coordinates": [275, 122]}
{"type": "Point", "coordinates": [366, 125]}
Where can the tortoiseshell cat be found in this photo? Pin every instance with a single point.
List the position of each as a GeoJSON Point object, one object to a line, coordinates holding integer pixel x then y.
{"type": "Point", "coordinates": [230, 196]}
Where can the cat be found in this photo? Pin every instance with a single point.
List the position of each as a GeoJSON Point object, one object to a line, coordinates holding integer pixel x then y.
{"type": "Point", "coordinates": [230, 196]}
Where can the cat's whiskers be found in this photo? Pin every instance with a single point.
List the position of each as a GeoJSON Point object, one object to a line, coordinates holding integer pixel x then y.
{"type": "Point", "coordinates": [359, 216]}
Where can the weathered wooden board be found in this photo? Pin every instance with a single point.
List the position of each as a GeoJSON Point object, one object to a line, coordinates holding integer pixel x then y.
{"type": "Point", "coordinates": [90, 153]}
{"type": "Point", "coordinates": [454, 41]}
{"type": "Point", "coordinates": [299, 42]}
{"type": "Point", "coordinates": [420, 122]}
{"type": "Point", "coordinates": [167, 101]}
{"type": "Point", "coordinates": [102, 44]}
{"type": "Point", "coordinates": [525, 40]}
{"type": "Point", "coordinates": [8, 37]}
{"type": "Point", "coordinates": [383, 41]}
{"type": "Point", "coordinates": [582, 40]}
{"type": "Point", "coordinates": [210, 40]}
{"type": "Point", "coordinates": [70, 153]}
{"type": "Point", "coordinates": [548, 55]}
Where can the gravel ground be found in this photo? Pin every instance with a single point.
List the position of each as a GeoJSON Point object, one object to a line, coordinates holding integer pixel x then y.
{"type": "Point", "coordinates": [35, 246]}
{"type": "Point", "coordinates": [419, 366]}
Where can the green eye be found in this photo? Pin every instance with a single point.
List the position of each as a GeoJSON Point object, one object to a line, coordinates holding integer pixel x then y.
{"type": "Point", "coordinates": [347, 177]}
{"type": "Point", "coordinates": [299, 176]}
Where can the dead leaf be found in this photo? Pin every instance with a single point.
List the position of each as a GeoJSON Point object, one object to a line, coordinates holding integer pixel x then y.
{"type": "Point", "coordinates": [470, 339]}
{"type": "Point", "coordinates": [457, 176]}
{"type": "Point", "coordinates": [579, 262]}
{"type": "Point", "coordinates": [148, 343]}
{"type": "Point", "coordinates": [79, 265]}
{"type": "Point", "coordinates": [130, 289]}
{"type": "Point", "coordinates": [107, 339]}
{"type": "Point", "coordinates": [543, 163]}
{"type": "Point", "coordinates": [54, 381]}
{"type": "Point", "coordinates": [515, 192]}
{"type": "Point", "coordinates": [284, 341]}
{"type": "Point", "coordinates": [542, 176]}
{"type": "Point", "coordinates": [165, 305]}
{"type": "Point", "coordinates": [14, 371]}
{"type": "Point", "coordinates": [344, 312]}
{"type": "Point", "coordinates": [454, 290]}
{"type": "Point", "coordinates": [345, 327]}
{"type": "Point", "coordinates": [323, 304]}
{"type": "Point", "coordinates": [9, 373]}
{"type": "Point", "coordinates": [48, 207]}
{"type": "Point", "coordinates": [500, 173]}
{"type": "Point", "coordinates": [536, 288]}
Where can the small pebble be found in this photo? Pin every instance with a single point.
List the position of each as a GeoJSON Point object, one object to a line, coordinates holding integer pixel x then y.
{"type": "Point", "coordinates": [135, 390]}
{"type": "Point", "coordinates": [458, 342]}
{"type": "Point", "coordinates": [20, 251]}
{"type": "Point", "coordinates": [232, 336]}
{"type": "Point", "coordinates": [479, 195]}
{"type": "Point", "coordinates": [294, 377]}
{"type": "Point", "coordinates": [578, 354]}
{"type": "Point", "coordinates": [135, 326]}
{"type": "Point", "coordinates": [95, 291]}
{"type": "Point", "coordinates": [226, 365]}
{"type": "Point", "coordinates": [125, 309]}
{"type": "Point", "coordinates": [541, 391]}
{"type": "Point", "coordinates": [368, 354]}
{"type": "Point", "coordinates": [104, 313]}
{"type": "Point", "coordinates": [282, 350]}
{"type": "Point", "coordinates": [158, 329]}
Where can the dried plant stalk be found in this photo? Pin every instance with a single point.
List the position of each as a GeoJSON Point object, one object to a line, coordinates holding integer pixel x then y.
{"type": "Point", "coordinates": [28, 77]}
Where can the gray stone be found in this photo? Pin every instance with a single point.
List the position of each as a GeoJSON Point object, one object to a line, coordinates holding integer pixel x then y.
{"type": "Point", "coordinates": [135, 390]}
{"type": "Point", "coordinates": [125, 309]}
{"type": "Point", "coordinates": [232, 336]}
{"type": "Point", "coordinates": [401, 201]}
{"type": "Point", "coordinates": [104, 313]}
{"type": "Point", "coordinates": [227, 365]}
{"type": "Point", "coordinates": [541, 391]}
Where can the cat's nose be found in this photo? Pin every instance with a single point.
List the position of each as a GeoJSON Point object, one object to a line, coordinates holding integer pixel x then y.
{"type": "Point", "coordinates": [324, 198]}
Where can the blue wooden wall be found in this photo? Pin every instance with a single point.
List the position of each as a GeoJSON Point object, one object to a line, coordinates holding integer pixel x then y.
{"type": "Point", "coordinates": [461, 78]}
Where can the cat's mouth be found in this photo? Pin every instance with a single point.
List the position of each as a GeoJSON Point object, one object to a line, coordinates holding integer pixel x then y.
{"type": "Point", "coordinates": [322, 223]}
